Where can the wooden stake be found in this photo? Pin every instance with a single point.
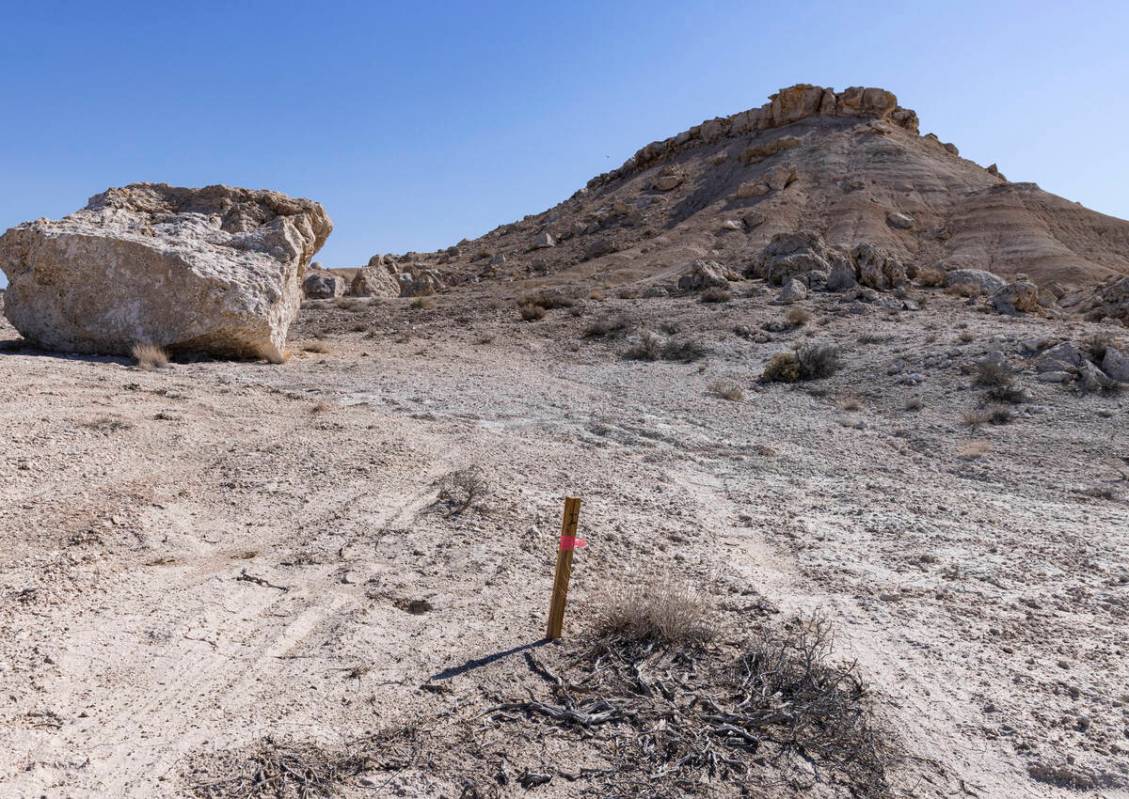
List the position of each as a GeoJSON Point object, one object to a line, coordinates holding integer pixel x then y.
{"type": "Point", "coordinates": [565, 549]}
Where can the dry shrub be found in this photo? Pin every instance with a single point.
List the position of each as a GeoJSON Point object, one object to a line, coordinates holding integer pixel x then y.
{"type": "Point", "coordinates": [809, 362]}
{"type": "Point", "coordinates": [797, 316]}
{"type": "Point", "coordinates": [716, 294]}
{"type": "Point", "coordinates": [530, 312]}
{"type": "Point", "coordinates": [974, 449]}
{"type": "Point", "coordinates": [654, 611]}
{"type": "Point", "coordinates": [966, 337]}
{"type": "Point", "coordinates": [461, 489]}
{"type": "Point", "coordinates": [149, 356]}
{"type": "Point", "coordinates": [278, 771]}
{"type": "Point", "coordinates": [749, 711]}
{"type": "Point", "coordinates": [608, 326]}
{"type": "Point", "coordinates": [727, 389]}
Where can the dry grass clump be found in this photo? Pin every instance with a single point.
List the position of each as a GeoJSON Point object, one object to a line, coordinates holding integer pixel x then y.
{"type": "Point", "coordinates": [530, 312]}
{"type": "Point", "coordinates": [973, 450]}
{"type": "Point", "coordinates": [726, 389]}
{"type": "Point", "coordinates": [149, 356]}
{"type": "Point", "coordinates": [809, 362]}
{"type": "Point", "coordinates": [651, 347]}
{"type": "Point", "coordinates": [966, 337]}
{"type": "Point", "coordinates": [797, 316]}
{"type": "Point", "coordinates": [461, 489]}
{"type": "Point", "coordinates": [715, 294]}
{"type": "Point", "coordinates": [653, 611]}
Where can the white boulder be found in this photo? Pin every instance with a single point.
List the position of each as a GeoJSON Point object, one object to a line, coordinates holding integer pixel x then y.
{"type": "Point", "coordinates": [215, 270]}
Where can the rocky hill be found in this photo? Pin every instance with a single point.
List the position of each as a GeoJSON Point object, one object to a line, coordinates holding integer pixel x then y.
{"type": "Point", "coordinates": [850, 167]}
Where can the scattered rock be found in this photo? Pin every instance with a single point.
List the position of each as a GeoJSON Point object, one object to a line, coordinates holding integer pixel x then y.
{"type": "Point", "coordinates": [790, 255]}
{"type": "Point", "coordinates": [899, 220]}
{"type": "Point", "coordinates": [793, 291]}
{"type": "Point", "coordinates": [842, 276]}
{"type": "Point", "coordinates": [1064, 357]}
{"type": "Point", "coordinates": [703, 274]}
{"type": "Point", "coordinates": [877, 268]}
{"type": "Point", "coordinates": [417, 280]}
{"type": "Point", "coordinates": [1091, 378]}
{"type": "Point", "coordinates": [374, 281]}
{"type": "Point", "coordinates": [1116, 365]}
{"type": "Point", "coordinates": [322, 285]}
{"type": "Point", "coordinates": [216, 270]}
{"type": "Point", "coordinates": [543, 241]}
{"type": "Point", "coordinates": [1020, 296]}
{"type": "Point", "coordinates": [978, 280]}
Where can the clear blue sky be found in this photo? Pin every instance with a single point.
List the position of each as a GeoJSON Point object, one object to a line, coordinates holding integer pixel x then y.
{"type": "Point", "coordinates": [417, 124]}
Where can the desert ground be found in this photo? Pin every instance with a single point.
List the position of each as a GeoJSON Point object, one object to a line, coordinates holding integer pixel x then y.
{"type": "Point", "coordinates": [209, 560]}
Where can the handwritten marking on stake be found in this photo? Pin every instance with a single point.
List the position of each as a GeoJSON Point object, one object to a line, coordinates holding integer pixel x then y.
{"type": "Point", "coordinates": [568, 545]}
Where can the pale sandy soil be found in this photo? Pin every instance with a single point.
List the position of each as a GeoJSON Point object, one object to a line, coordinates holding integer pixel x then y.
{"type": "Point", "coordinates": [986, 600]}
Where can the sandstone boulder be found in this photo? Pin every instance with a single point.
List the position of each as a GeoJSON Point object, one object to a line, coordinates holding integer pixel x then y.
{"type": "Point", "coordinates": [374, 281]}
{"type": "Point", "coordinates": [215, 270]}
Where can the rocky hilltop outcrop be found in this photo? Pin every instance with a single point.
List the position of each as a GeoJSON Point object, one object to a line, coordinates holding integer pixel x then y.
{"type": "Point", "coordinates": [215, 270]}
{"type": "Point", "coordinates": [849, 168]}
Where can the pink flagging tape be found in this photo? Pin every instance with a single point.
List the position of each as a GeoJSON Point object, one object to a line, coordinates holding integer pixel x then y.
{"type": "Point", "coordinates": [572, 542]}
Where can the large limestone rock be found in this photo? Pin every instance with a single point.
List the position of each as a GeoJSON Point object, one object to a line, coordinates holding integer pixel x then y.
{"type": "Point", "coordinates": [791, 255]}
{"type": "Point", "coordinates": [216, 270]}
{"type": "Point", "coordinates": [877, 268]}
{"type": "Point", "coordinates": [417, 280]}
{"type": "Point", "coordinates": [374, 281]}
{"type": "Point", "coordinates": [974, 281]}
